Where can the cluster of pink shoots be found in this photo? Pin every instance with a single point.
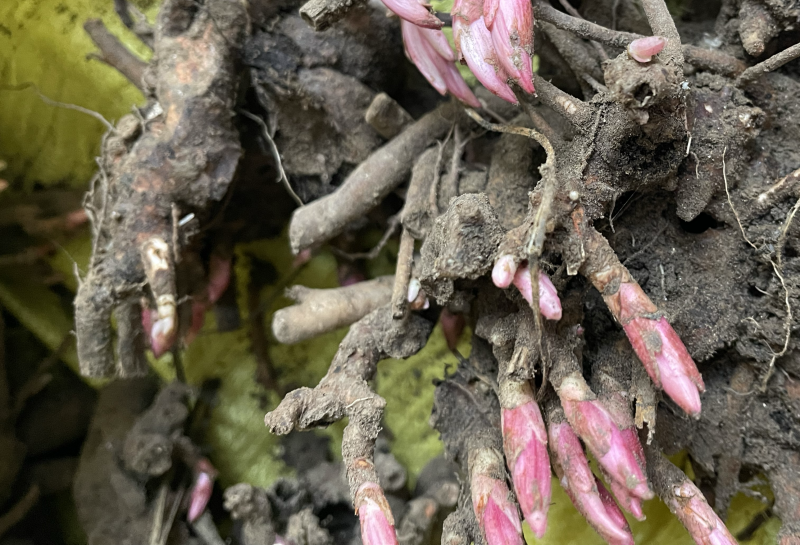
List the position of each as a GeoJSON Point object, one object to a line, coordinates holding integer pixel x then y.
{"type": "Point", "coordinates": [493, 37]}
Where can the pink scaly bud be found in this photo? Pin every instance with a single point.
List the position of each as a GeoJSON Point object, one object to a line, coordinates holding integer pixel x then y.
{"type": "Point", "coordinates": [549, 303]}
{"type": "Point", "coordinates": [659, 348]}
{"type": "Point", "coordinates": [219, 276]}
{"type": "Point", "coordinates": [503, 271]}
{"type": "Point", "coordinates": [525, 446]}
{"type": "Point", "coordinates": [572, 469]}
{"type": "Point", "coordinates": [512, 36]}
{"type": "Point", "coordinates": [441, 73]}
{"type": "Point", "coordinates": [491, 499]}
{"type": "Point", "coordinates": [204, 475]}
{"type": "Point", "coordinates": [643, 49]}
{"type": "Point", "coordinates": [198, 319]}
{"type": "Point", "coordinates": [452, 327]}
{"type": "Point", "coordinates": [593, 423]}
{"type": "Point", "coordinates": [160, 330]}
{"type": "Point", "coordinates": [414, 12]}
{"type": "Point", "coordinates": [474, 42]}
{"type": "Point", "coordinates": [377, 522]}
{"type": "Point", "coordinates": [692, 509]}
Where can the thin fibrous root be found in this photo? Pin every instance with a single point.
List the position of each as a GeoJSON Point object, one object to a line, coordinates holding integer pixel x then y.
{"type": "Point", "coordinates": [322, 310]}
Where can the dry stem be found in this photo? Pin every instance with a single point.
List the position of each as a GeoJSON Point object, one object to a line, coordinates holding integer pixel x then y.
{"type": "Point", "coordinates": [344, 391]}
{"type": "Point", "coordinates": [116, 55]}
{"type": "Point", "coordinates": [772, 63]}
{"type": "Point", "coordinates": [321, 311]}
{"type": "Point", "coordinates": [369, 183]}
{"type": "Point", "coordinates": [402, 276]}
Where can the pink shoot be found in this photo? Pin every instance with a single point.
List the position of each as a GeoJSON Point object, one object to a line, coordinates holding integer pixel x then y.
{"type": "Point", "coordinates": [692, 509]}
{"type": "Point", "coordinates": [525, 446]}
{"type": "Point", "coordinates": [643, 49]}
{"type": "Point", "coordinates": [491, 499]}
{"type": "Point", "coordinates": [414, 12]}
{"type": "Point", "coordinates": [549, 303]}
{"type": "Point", "coordinates": [593, 423]}
{"type": "Point", "coordinates": [586, 492]}
{"type": "Point", "coordinates": [219, 276]}
{"type": "Point", "coordinates": [377, 523]}
{"type": "Point", "coordinates": [475, 45]}
{"type": "Point", "coordinates": [423, 50]}
{"type": "Point", "coordinates": [512, 36]}
{"type": "Point", "coordinates": [661, 351]}
{"type": "Point", "coordinates": [503, 271]}
{"type": "Point", "coordinates": [204, 475]}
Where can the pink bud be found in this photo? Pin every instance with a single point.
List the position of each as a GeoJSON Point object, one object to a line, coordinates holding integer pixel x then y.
{"type": "Point", "coordinates": [198, 319]}
{"type": "Point", "coordinates": [692, 509]}
{"type": "Point", "coordinates": [219, 276]}
{"type": "Point", "coordinates": [490, 12]}
{"type": "Point", "coordinates": [593, 423]}
{"type": "Point", "coordinates": [474, 42]}
{"type": "Point", "coordinates": [525, 446]}
{"type": "Point", "coordinates": [503, 271]}
{"type": "Point", "coordinates": [161, 328]}
{"type": "Point", "coordinates": [491, 499]}
{"type": "Point", "coordinates": [512, 36]}
{"type": "Point", "coordinates": [414, 12]}
{"type": "Point", "coordinates": [438, 41]}
{"type": "Point", "coordinates": [452, 327]}
{"type": "Point", "coordinates": [584, 489]}
{"type": "Point", "coordinates": [377, 523]}
{"type": "Point", "coordinates": [204, 475]}
{"type": "Point", "coordinates": [496, 514]}
{"type": "Point", "coordinates": [549, 303]}
{"type": "Point", "coordinates": [441, 73]}
{"type": "Point", "coordinates": [303, 257]}
{"type": "Point", "coordinates": [643, 49]}
{"type": "Point", "coordinates": [627, 501]}
{"type": "Point", "coordinates": [659, 348]}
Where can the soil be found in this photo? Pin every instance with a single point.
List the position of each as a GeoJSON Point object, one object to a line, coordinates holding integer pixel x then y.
{"type": "Point", "coordinates": [689, 172]}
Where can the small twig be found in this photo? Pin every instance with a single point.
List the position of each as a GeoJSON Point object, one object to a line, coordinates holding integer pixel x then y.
{"type": "Point", "coordinates": [206, 530]}
{"type": "Point", "coordinates": [115, 54]}
{"type": "Point", "coordinates": [433, 197]}
{"type": "Point", "coordinates": [772, 63]}
{"type": "Point", "coordinates": [319, 311]}
{"type": "Point", "coordinates": [372, 180]}
{"type": "Point", "coordinates": [158, 515]}
{"type": "Point", "coordinates": [575, 13]}
{"type": "Point", "coordinates": [19, 510]}
{"type": "Point", "coordinates": [778, 187]}
{"type": "Point", "coordinates": [173, 512]}
{"type": "Point", "coordinates": [402, 276]}
{"type": "Point", "coordinates": [320, 14]}
{"type": "Point", "coordinates": [776, 267]}
{"type": "Point", "coordinates": [574, 110]}
{"type": "Point", "coordinates": [282, 178]}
